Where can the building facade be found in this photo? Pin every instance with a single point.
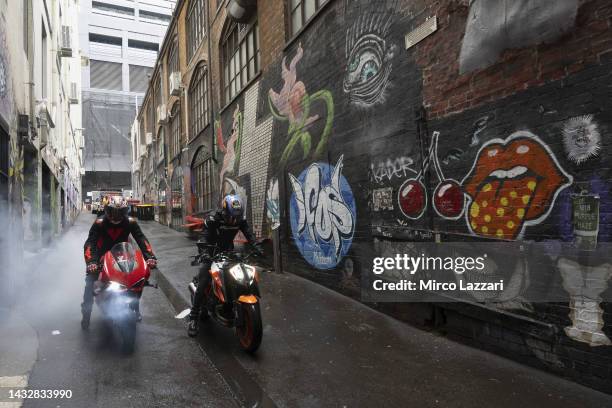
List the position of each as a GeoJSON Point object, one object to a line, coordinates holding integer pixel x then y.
{"type": "Point", "coordinates": [40, 128]}
{"type": "Point", "coordinates": [358, 128]}
{"type": "Point", "coordinates": [120, 42]}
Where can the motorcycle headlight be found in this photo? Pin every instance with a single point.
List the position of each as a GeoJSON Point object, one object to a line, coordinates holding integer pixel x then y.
{"type": "Point", "coordinates": [251, 272]}
{"type": "Point", "coordinates": [237, 273]}
{"type": "Point", "coordinates": [115, 287]}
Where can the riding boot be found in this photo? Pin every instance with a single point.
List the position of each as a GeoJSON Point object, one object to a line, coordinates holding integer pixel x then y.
{"type": "Point", "coordinates": [86, 315]}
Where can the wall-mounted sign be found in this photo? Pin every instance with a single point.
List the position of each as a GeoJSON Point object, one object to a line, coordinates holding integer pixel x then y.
{"type": "Point", "coordinates": [585, 215]}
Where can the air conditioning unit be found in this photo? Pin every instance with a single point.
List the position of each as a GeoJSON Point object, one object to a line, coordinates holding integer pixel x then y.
{"type": "Point", "coordinates": [175, 83]}
{"type": "Point", "coordinates": [149, 138]}
{"type": "Point", "coordinates": [66, 42]}
{"type": "Point", "coordinates": [162, 114]}
{"type": "Point", "coordinates": [74, 95]}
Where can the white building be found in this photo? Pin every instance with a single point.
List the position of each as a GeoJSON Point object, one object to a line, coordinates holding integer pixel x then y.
{"type": "Point", "coordinates": [120, 40]}
{"type": "Point", "coordinates": [40, 125]}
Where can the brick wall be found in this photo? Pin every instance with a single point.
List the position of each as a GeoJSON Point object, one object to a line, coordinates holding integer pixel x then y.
{"type": "Point", "coordinates": [357, 147]}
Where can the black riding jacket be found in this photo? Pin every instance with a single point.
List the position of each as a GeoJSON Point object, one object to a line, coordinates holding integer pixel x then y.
{"type": "Point", "coordinates": [217, 232]}
{"type": "Point", "coordinates": [103, 235]}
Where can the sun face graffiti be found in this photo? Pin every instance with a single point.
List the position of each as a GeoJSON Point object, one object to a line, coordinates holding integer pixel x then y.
{"type": "Point", "coordinates": [323, 214]}
{"type": "Point", "coordinates": [368, 57]}
{"type": "Point", "coordinates": [581, 139]}
{"type": "Point", "coordinates": [513, 183]}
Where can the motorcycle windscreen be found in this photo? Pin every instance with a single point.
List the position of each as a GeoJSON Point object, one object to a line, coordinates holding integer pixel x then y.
{"type": "Point", "coordinates": [124, 256]}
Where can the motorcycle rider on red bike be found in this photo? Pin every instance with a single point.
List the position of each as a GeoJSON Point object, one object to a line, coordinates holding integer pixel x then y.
{"type": "Point", "coordinates": [113, 227]}
{"type": "Point", "coordinates": [220, 229]}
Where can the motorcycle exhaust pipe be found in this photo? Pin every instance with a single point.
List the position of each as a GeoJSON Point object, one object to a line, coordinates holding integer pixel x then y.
{"type": "Point", "coordinates": [192, 288]}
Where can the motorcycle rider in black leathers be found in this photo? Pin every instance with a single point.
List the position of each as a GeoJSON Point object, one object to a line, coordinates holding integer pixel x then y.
{"type": "Point", "coordinates": [113, 227]}
{"type": "Point", "coordinates": [220, 228]}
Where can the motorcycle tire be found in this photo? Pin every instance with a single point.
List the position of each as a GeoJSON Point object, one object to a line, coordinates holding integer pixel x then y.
{"type": "Point", "coordinates": [128, 336]}
{"type": "Point", "coordinates": [251, 332]}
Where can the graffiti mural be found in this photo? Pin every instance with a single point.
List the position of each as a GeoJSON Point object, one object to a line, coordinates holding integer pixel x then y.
{"type": "Point", "coordinates": [323, 214]}
{"type": "Point", "coordinates": [448, 198]}
{"type": "Point", "coordinates": [6, 89]}
{"type": "Point", "coordinates": [231, 147]}
{"type": "Point", "coordinates": [399, 167]}
{"type": "Point", "coordinates": [273, 204]}
{"type": "Point", "coordinates": [256, 143]}
{"type": "Point", "coordinates": [368, 56]}
{"type": "Point", "coordinates": [494, 26]}
{"type": "Point", "coordinates": [513, 184]}
{"type": "Point", "coordinates": [581, 139]}
{"type": "Point", "coordinates": [293, 104]}
{"type": "Point", "coordinates": [585, 285]}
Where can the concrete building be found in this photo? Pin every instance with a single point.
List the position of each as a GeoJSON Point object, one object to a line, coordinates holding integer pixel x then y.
{"type": "Point", "coordinates": [359, 128]}
{"type": "Point", "coordinates": [120, 41]}
{"type": "Point", "coordinates": [40, 127]}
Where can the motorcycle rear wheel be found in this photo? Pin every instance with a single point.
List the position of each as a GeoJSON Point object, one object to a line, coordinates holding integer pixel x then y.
{"type": "Point", "coordinates": [251, 331]}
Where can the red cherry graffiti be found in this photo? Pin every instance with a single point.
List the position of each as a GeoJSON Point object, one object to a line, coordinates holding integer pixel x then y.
{"type": "Point", "coordinates": [448, 197]}
{"type": "Point", "coordinates": [412, 198]}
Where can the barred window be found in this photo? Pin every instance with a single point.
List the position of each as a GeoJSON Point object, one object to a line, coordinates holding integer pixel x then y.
{"type": "Point", "coordinates": [196, 30]}
{"type": "Point", "coordinates": [301, 11]}
{"type": "Point", "coordinates": [175, 130]}
{"type": "Point", "coordinates": [161, 145]}
{"type": "Point", "coordinates": [240, 53]}
{"type": "Point", "coordinates": [202, 180]}
{"type": "Point", "coordinates": [198, 101]}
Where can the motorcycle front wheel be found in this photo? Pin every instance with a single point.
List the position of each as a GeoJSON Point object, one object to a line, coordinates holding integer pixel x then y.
{"type": "Point", "coordinates": [128, 335]}
{"type": "Point", "coordinates": [251, 331]}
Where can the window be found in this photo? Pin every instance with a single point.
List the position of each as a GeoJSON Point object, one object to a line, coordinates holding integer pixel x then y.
{"type": "Point", "coordinates": [158, 91]}
{"type": "Point", "coordinates": [175, 130]}
{"type": "Point", "coordinates": [198, 101]}
{"type": "Point", "coordinates": [105, 75]}
{"type": "Point", "coordinates": [25, 24]}
{"type": "Point", "coordinates": [301, 11]}
{"type": "Point", "coordinates": [154, 17]}
{"type": "Point", "coordinates": [202, 180]}
{"type": "Point", "coordinates": [240, 53]}
{"type": "Point", "coordinates": [105, 39]}
{"type": "Point", "coordinates": [161, 146]}
{"type": "Point", "coordinates": [143, 45]}
{"type": "Point", "coordinates": [195, 26]}
{"type": "Point", "coordinates": [173, 61]}
{"type": "Point", "coordinates": [139, 78]}
{"type": "Point", "coordinates": [43, 63]}
{"type": "Point", "coordinates": [112, 8]}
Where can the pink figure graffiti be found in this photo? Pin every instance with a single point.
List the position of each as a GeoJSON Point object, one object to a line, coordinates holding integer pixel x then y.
{"type": "Point", "coordinates": [289, 101]}
{"type": "Point", "coordinates": [229, 149]}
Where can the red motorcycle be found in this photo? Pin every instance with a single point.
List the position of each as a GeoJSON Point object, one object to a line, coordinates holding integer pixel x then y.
{"type": "Point", "coordinates": [117, 292]}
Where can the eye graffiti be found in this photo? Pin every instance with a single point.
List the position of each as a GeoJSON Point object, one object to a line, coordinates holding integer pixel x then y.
{"type": "Point", "coordinates": [513, 183]}
{"type": "Point", "coordinates": [323, 214]}
{"type": "Point", "coordinates": [368, 59]}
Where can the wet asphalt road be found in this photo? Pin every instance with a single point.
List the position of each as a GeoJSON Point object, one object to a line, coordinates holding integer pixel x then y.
{"type": "Point", "coordinates": [167, 369]}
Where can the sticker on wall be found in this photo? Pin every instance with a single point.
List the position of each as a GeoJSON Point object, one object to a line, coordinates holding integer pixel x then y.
{"type": "Point", "coordinates": [513, 184]}
{"type": "Point", "coordinates": [382, 199]}
{"type": "Point", "coordinates": [581, 139]}
{"type": "Point", "coordinates": [368, 59]}
{"type": "Point", "coordinates": [323, 214]}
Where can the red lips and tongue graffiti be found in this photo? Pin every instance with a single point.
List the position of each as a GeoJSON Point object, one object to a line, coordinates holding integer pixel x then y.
{"type": "Point", "coordinates": [513, 184]}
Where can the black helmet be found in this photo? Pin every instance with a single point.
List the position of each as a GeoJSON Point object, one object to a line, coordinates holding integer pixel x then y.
{"type": "Point", "coordinates": [116, 210]}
